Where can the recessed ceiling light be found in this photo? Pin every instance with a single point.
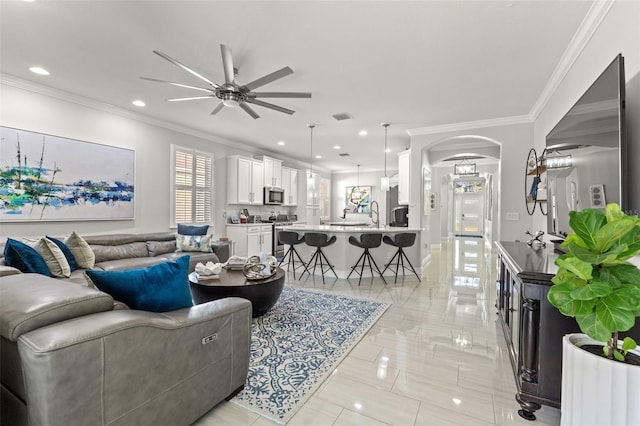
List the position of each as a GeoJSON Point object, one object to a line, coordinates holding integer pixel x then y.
{"type": "Point", "coordinates": [138, 103]}
{"type": "Point", "coordinates": [387, 150]}
{"type": "Point", "coordinates": [318, 156]}
{"type": "Point", "coordinates": [281, 143]}
{"type": "Point", "coordinates": [336, 147]}
{"type": "Point", "coordinates": [39, 71]}
{"type": "Point", "coordinates": [29, 1]}
{"type": "Point", "coordinates": [363, 133]}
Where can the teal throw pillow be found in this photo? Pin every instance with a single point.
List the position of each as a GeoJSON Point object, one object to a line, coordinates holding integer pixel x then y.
{"type": "Point", "coordinates": [24, 258]}
{"type": "Point", "coordinates": [192, 229]}
{"type": "Point", "coordinates": [158, 288]}
{"type": "Point", "coordinates": [67, 253]}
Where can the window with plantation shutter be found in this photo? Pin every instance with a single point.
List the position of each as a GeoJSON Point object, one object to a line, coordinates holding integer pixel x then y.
{"type": "Point", "coordinates": [192, 186]}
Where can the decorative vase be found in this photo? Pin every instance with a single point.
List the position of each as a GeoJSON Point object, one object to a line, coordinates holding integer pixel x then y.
{"type": "Point", "coordinates": [595, 389]}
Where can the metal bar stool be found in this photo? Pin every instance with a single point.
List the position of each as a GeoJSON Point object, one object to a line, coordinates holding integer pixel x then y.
{"type": "Point", "coordinates": [402, 240]}
{"type": "Point", "coordinates": [319, 240]}
{"type": "Point", "coordinates": [366, 242]}
{"type": "Point", "coordinates": [292, 239]}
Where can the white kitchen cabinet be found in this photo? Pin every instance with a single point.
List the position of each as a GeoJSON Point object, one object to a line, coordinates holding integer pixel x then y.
{"type": "Point", "coordinates": [290, 186]}
{"type": "Point", "coordinates": [251, 239]}
{"type": "Point", "coordinates": [272, 172]}
{"type": "Point", "coordinates": [404, 177]}
{"type": "Point", "coordinates": [313, 215]}
{"type": "Point", "coordinates": [246, 180]}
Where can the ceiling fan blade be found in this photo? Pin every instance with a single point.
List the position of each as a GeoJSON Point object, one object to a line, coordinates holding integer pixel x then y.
{"type": "Point", "coordinates": [192, 98]}
{"type": "Point", "coordinates": [217, 109]}
{"type": "Point", "coordinates": [178, 84]}
{"type": "Point", "coordinates": [227, 63]}
{"type": "Point", "coordinates": [283, 72]}
{"type": "Point", "coordinates": [279, 95]}
{"type": "Point", "coordinates": [249, 110]}
{"type": "Point", "coordinates": [270, 106]}
{"type": "Point", "coordinates": [184, 67]}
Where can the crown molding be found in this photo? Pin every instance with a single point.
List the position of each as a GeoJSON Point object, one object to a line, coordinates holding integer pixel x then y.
{"type": "Point", "coordinates": [469, 125]}
{"type": "Point", "coordinates": [591, 22]}
{"type": "Point", "coordinates": [40, 89]}
{"type": "Point", "coordinates": [594, 17]}
{"type": "Point", "coordinates": [9, 80]}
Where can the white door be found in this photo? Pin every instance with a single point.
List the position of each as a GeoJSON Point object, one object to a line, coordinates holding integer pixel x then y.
{"type": "Point", "coordinates": [257, 183]}
{"type": "Point", "coordinates": [267, 239]}
{"type": "Point", "coordinates": [468, 215]}
{"type": "Point", "coordinates": [254, 244]}
{"type": "Point", "coordinates": [244, 181]}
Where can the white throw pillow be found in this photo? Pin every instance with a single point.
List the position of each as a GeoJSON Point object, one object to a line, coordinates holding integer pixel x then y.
{"type": "Point", "coordinates": [85, 258]}
{"type": "Point", "coordinates": [53, 257]}
{"type": "Point", "coordinates": [200, 243]}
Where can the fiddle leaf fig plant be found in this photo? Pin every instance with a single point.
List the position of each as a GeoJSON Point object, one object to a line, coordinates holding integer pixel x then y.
{"type": "Point", "coordinates": [595, 283]}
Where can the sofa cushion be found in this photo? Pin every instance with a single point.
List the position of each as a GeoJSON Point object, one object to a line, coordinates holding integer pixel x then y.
{"type": "Point", "coordinates": [120, 251]}
{"type": "Point", "coordinates": [67, 253]}
{"type": "Point", "coordinates": [160, 247]}
{"type": "Point", "coordinates": [30, 301]}
{"type": "Point", "coordinates": [53, 257]}
{"type": "Point", "coordinates": [192, 229]}
{"type": "Point", "coordinates": [81, 251]}
{"type": "Point", "coordinates": [25, 258]}
{"type": "Point", "coordinates": [158, 288]}
{"type": "Point", "coordinates": [200, 243]}
{"type": "Point", "coordinates": [134, 262]}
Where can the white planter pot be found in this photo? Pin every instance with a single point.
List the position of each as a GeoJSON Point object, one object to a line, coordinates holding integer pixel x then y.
{"type": "Point", "coordinates": [596, 390]}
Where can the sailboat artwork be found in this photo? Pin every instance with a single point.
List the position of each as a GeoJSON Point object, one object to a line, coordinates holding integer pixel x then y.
{"type": "Point", "coordinates": [51, 178]}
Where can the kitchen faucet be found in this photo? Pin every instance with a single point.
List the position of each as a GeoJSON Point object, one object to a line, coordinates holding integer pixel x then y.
{"type": "Point", "coordinates": [377, 221]}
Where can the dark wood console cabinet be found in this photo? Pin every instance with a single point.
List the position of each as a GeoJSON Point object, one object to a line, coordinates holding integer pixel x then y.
{"type": "Point", "coordinates": [532, 327]}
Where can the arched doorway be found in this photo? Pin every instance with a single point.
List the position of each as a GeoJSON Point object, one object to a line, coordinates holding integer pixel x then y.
{"type": "Point", "coordinates": [465, 203]}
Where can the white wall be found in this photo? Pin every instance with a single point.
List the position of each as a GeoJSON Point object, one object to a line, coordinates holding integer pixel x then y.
{"type": "Point", "coordinates": [64, 115]}
{"type": "Point", "coordinates": [619, 32]}
{"type": "Point", "coordinates": [339, 182]}
{"type": "Point", "coordinates": [515, 141]}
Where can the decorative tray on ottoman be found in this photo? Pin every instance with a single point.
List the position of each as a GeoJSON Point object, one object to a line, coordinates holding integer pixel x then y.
{"type": "Point", "coordinates": [254, 268]}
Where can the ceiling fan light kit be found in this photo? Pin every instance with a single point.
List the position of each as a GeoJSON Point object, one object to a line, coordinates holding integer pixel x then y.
{"type": "Point", "coordinates": [231, 94]}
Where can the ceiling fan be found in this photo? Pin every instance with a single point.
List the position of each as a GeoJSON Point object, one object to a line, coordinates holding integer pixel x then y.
{"type": "Point", "coordinates": [231, 93]}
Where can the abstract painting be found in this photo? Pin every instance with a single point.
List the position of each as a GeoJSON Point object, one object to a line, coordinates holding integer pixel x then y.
{"type": "Point", "coordinates": [51, 178]}
{"type": "Point", "coordinates": [358, 199]}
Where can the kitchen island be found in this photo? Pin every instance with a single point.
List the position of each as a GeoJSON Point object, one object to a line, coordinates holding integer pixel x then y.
{"type": "Point", "coordinates": [344, 255]}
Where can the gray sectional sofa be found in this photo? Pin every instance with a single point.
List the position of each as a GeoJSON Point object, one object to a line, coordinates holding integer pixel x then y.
{"type": "Point", "coordinates": [67, 357]}
{"type": "Point", "coordinates": [126, 251]}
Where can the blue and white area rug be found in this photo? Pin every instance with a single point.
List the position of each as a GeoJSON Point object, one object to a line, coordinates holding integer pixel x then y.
{"type": "Point", "coordinates": [297, 344]}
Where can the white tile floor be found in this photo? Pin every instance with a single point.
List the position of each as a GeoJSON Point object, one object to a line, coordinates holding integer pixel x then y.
{"type": "Point", "coordinates": [436, 357]}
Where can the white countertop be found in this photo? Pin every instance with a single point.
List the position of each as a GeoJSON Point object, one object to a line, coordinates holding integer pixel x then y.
{"type": "Point", "coordinates": [251, 224]}
{"type": "Point", "coordinates": [328, 229]}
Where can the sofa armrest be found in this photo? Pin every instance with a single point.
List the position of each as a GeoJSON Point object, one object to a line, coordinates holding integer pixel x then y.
{"type": "Point", "coordinates": [222, 250]}
{"type": "Point", "coordinates": [31, 301]}
{"type": "Point", "coordinates": [137, 367]}
{"type": "Point", "coordinates": [5, 271]}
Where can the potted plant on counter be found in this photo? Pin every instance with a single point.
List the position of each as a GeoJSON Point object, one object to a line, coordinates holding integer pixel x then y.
{"type": "Point", "coordinates": [596, 284]}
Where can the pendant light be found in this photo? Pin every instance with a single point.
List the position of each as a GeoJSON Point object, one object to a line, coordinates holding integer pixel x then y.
{"type": "Point", "coordinates": [311, 126]}
{"type": "Point", "coordinates": [384, 182]}
{"type": "Point", "coordinates": [311, 185]}
{"type": "Point", "coordinates": [358, 179]}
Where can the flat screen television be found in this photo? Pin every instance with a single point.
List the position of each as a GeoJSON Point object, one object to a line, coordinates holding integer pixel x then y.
{"type": "Point", "coordinates": [585, 152]}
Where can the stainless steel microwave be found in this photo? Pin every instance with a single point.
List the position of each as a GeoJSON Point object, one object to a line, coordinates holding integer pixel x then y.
{"type": "Point", "coordinates": [273, 195]}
